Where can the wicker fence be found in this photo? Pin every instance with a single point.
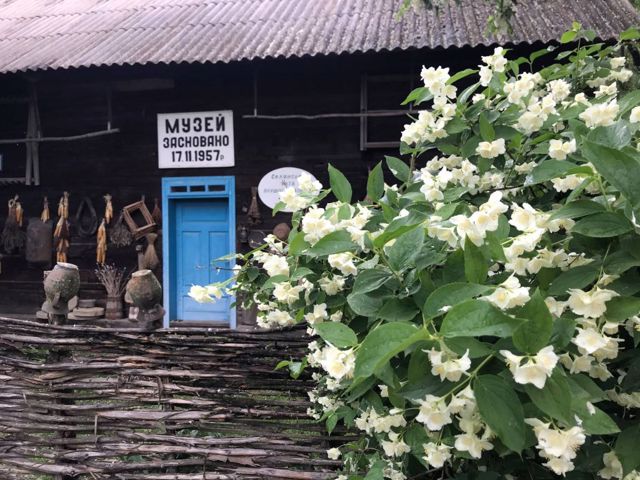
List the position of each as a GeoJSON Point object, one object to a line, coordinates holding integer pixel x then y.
{"type": "Point", "coordinates": [179, 404]}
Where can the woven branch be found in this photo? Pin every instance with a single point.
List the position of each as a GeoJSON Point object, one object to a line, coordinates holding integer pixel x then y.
{"type": "Point", "coordinates": [97, 403]}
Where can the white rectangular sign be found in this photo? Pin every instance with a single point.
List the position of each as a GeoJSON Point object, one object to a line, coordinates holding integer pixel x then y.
{"type": "Point", "coordinates": [196, 140]}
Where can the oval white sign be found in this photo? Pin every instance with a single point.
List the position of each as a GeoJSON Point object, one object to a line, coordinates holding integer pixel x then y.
{"type": "Point", "coordinates": [276, 181]}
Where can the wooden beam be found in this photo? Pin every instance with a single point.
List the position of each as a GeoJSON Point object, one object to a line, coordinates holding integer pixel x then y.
{"type": "Point", "coordinates": [98, 133]}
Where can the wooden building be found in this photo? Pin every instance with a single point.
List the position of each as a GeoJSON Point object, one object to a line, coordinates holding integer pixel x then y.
{"type": "Point", "coordinates": [90, 91]}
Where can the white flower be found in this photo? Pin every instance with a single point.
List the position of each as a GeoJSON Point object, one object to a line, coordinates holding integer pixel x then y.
{"type": "Point", "coordinates": [436, 454]}
{"type": "Point", "coordinates": [491, 149]}
{"type": "Point", "coordinates": [200, 294]}
{"type": "Point", "coordinates": [337, 363]}
{"type": "Point", "coordinates": [308, 184]}
{"type": "Point", "coordinates": [537, 368]}
{"type": "Point", "coordinates": [559, 89]}
{"type": "Point", "coordinates": [530, 122]}
{"type": "Point", "coordinates": [473, 444]}
{"type": "Point", "coordinates": [525, 218]}
{"type": "Point", "coordinates": [590, 304]}
{"type": "Point", "coordinates": [569, 182]}
{"type": "Point", "coordinates": [315, 226]}
{"type": "Point", "coordinates": [612, 466]}
{"type": "Point", "coordinates": [331, 286]}
{"type": "Point", "coordinates": [433, 413]}
{"type": "Point", "coordinates": [466, 228]}
{"type": "Point", "coordinates": [333, 453]}
{"type": "Point", "coordinates": [478, 97]}
{"type": "Point", "coordinates": [435, 79]}
{"type": "Point", "coordinates": [287, 293]}
{"type": "Point", "coordinates": [317, 315]}
{"type": "Point", "coordinates": [343, 262]}
{"type": "Point", "coordinates": [486, 74]}
{"type": "Point", "coordinates": [394, 447]}
{"type": "Point", "coordinates": [559, 149]}
{"type": "Point", "coordinates": [607, 90]}
{"type": "Point", "coordinates": [617, 62]}
{"type": "Point", "coordinates": [589, 340]}
{"type": "Point", "coordinates": [558, 446]}
{"type": "Point", "coordinates": [292, 199]}
{"type": "Point", "coordinates": [276, 265]}
{"type": "Point", "coordinates": [277, 318]}
{"type": "Point", "coordinates": [601, 114]}
{"type": "Point", "coordinates": [634, 117]}
{"type": "Point", "coordinates": [448, 366]}
{"type": "Point", "coordinates": [508, 294]}
{"type": "Point", "coordinates": [496, 61]}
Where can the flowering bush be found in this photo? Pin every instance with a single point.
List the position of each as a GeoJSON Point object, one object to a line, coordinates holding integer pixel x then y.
{"type": "Point", "coordinates": [478, 319]}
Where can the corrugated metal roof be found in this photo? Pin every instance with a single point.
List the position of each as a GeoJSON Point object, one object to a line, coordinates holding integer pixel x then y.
{"type": "Point", "coordinates": [51, 34]}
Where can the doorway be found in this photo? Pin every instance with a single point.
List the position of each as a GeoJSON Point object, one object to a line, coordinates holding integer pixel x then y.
{"type": "Point", "coordinates": [199, 221]}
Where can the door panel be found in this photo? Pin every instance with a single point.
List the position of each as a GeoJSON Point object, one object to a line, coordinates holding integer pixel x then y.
{"type": "Point", "coordinates": [202, 235]}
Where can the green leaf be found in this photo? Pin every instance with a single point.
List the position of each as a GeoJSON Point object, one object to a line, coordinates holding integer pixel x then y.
{"type": "Point", "coordinates": [460, 75]}
{"type": "Point", "coordinates": [416, 436]}
{"type": "Point", "coordinates": [602, 225]}
{"type": "Point", "coordinates": [577, 209]}
{"type": "Point", "coordinates": [375, 183]}
{"type": "Point", "coordinates": [594, 422]}
{"type": "Point", "coordinates": [475, 264]}
{"type": "Point", "coordinates": [370, 280]}
{"type": "Point", "coordinates": [450, 295]}
{"type": "Point", "coordinates": [398, 310]}
{"type": "Point", "coordinates": [621, 308]}
{"type": "Point", "coordinates": [364, 304]}
{"type": "Point", "coordinates": [618, 168]}
{"type": "Point", "coordinates": [417, 96]}
{"type": "Point", "coordinates": [376, 471]}
{"type": "Point", "coordinates": [382, 344]}
{"type": "Point", "coordinates": [336, 242]}
{"type": "Point", "coordinates": [501, 409]}
{"type": "Point", "coordinates": [298, 244]}
{"type": "Point", "coordinates": [406, 248]}
{"type": "Point", "coordinates": [535, 332]}
{"type": "Point", "coordinates": [626, 103]}
{"type": "Point", "coordinates": [568, 37]}
{"type": "Point", "coordinates": [461, 345]}
{"type": "Point", "coordinates": [615, 136]}
{"type": "Point", "coordinates": [626, 448]}
{"type": "Point", "coordinates": [340, 186]}
{"type": "Point", "coordinates": [475, 318]}
{"type": "Point", "coordinates": [337, 334]}
{"type": "Point", "coordinates": [398, 168]}
{"type": "Point", "coordinates": [301, 272]}
{"type": "Point", "coordinates": [548, 170]}
{"type": "Point", "coordinates": [487, 132]}
{"type": "Point", "coordinates": [630, 34]}
{"type": "Point", "coordinates": [554, 398]}
{"type": "Point", "coordinates": [577, 277]}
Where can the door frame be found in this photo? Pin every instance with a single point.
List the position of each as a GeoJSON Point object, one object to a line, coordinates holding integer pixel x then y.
{"type": "Point", "coordinates": [175, 189]}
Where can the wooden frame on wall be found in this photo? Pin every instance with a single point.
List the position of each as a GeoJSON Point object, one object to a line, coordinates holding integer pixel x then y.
{"type": "Point", "coordinates": [138, 219]}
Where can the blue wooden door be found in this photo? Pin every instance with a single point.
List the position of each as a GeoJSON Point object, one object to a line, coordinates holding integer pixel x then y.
{"type": "Point", "coordinates": [201, 236]}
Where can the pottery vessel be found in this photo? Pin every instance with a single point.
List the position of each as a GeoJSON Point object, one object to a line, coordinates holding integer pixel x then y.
{"type": "Point", "coordinates": [144, 289]}
{"type": "Point", "coordinates": [60, 286]}
{"type": "Point", "coordinates": [114, 307]}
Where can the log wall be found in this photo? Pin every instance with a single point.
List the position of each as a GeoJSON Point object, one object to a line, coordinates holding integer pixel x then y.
{"type": "Point", "coordinates": [179, 404]}
{"type": "Point", "coordinates": [124, 164]}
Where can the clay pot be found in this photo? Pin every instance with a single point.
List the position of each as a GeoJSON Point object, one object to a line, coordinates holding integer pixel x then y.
{"type": "Point", "coordinates": [114, 307]}
{"type": "Point", "coordinates": [144, 289]}
{"type": "Point", "coordinates": [60, 286]}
